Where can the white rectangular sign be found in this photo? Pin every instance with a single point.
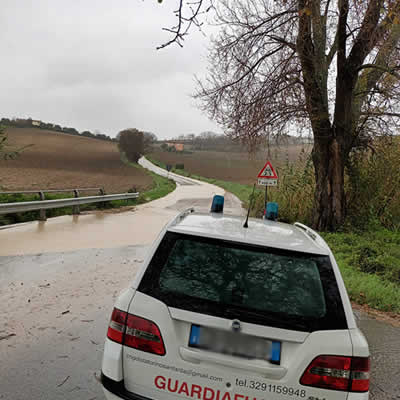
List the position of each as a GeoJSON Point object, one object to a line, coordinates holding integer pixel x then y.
{"type": "Point", "coordinates": [267, 182]}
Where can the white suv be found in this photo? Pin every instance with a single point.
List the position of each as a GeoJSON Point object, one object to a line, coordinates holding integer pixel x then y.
{"type": "Point", "coordinates": [224, 312]}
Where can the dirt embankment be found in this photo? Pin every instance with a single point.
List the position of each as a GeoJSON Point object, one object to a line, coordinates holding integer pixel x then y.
{"type": "Point", "coordinates": [56, 160]}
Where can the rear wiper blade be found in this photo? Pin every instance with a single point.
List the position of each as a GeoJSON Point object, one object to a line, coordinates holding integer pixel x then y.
{"type": "Point", "coordinates": [284, 321]}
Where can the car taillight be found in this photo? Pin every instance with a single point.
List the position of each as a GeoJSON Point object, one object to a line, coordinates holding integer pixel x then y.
{"type": "Point", "coordinates": [136, 332]}
{"type": "Point", "coordinates": [144, 335]}
{"type": "Point", "coordinates": [338, 373]}
{"type": "Point", "coordinates": [360, 367]}
{"type": "Point", "coordinates": [116, 328]}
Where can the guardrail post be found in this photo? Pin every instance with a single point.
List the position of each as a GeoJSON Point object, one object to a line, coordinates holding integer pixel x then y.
{"type": "Point", "coordinates": [42, 213]}
{"type": "Point", "coordinates": [102, 193]}
{"type": "Point", "coordinates": [76, 210]}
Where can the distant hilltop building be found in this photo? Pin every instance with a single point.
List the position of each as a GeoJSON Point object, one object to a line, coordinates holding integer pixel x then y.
{"type": "Point", "coordinates": [178, 146]}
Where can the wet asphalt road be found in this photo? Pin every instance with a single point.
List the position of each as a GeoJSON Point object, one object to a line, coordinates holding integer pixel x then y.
{"type": "Point", "coordinates": [58, 306]}
{"type": "Point", "coordinates": [384, 345]}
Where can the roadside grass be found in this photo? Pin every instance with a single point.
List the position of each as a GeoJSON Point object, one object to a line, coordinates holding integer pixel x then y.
{"type": "Point", "coordinates": [369, 261]}
{"type": "Point", "coordinates": [369, 289]}
{"type": "Point", "coordinates": [160, 187]}
{"type": "Point", "coordinates": [370, 266]}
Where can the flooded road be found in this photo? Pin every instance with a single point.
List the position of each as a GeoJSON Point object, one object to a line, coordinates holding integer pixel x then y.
{"type": "Point", "coordinates": [58, 284]}
{"type": "Point", "coordinates": [109, 229]}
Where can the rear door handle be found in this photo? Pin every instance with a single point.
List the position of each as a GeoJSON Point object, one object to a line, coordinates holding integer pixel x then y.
{"type": "Point", "coordinates": [258, 366]}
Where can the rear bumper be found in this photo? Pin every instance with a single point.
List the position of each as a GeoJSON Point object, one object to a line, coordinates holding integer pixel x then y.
{"type": "Point", "coordinates": [116, 390]}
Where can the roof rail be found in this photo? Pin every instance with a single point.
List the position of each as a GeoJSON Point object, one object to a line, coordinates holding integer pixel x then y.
{"type": "Point", "coordinates": [181, 216]}
{"type": "Point", "coordinates": [312, 234]}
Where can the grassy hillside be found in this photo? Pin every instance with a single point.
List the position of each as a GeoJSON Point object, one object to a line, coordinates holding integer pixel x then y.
{"type": "Point", "coordinates": [57, 160]}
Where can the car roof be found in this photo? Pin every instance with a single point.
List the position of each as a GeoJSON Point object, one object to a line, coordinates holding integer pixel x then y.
{"type": "Point", "coordinates": [259, 232]}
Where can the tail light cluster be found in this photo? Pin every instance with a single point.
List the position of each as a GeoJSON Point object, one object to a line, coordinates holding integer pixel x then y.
{"type": "Point", "coordinates": [132, 331]}
{"type": "Point", "coordinates": [339, 373]}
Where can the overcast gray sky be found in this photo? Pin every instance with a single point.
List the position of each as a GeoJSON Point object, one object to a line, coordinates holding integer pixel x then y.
{"type": "Point", "coordinates": [93, 65]}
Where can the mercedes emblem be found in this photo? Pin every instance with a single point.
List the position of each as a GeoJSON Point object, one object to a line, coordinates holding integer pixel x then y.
{"type": "Point", "coordinates": [236, 326]}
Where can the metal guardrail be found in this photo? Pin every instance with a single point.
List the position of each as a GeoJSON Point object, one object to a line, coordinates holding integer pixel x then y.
{"type": "Point", "coordinates": [98, 189]}
{"type": "Point", "coordinates": [41, 192]}
{"type": "Point", "coordinates": [43, 205]}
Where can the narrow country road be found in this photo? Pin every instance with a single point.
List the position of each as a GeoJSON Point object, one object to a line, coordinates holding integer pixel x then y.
{"type": "Point", "coordinates": [58, 283]}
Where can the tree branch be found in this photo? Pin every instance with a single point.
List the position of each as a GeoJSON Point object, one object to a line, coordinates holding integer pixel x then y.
{"type": "Point", "coordinates": [381, 114]}
{"type": "Point", "coordinates": [371, 75]}
{"type": "Point", "coordinates": [180, 31]}
{"type": "Point", "coordinates": [390, 71]}
{"type": "Point", "coordinates": [327, 8]}
{"type": "Point", "coordinates": [283, 41]}
{"type": "Point", "coordinates": [342, 34]}
{"type": "Point", "coordinates": [333, 50]}
{"type": "Point", "coordinates": [366, 39]}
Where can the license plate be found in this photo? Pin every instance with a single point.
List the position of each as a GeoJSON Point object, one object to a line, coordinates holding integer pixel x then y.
{"type": "Point", "coordinates": [235, 343]}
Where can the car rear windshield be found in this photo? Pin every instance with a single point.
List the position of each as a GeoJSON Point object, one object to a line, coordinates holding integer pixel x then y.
{"type": "Point", "coordinates": [268, 286]}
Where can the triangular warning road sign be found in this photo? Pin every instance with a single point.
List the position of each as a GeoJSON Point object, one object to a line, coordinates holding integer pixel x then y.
{"type": "Point", "coordinates": [267, 172]}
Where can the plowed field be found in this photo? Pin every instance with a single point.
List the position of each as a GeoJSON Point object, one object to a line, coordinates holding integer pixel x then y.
{"type": "Point", "coordinates": [230, 166]}
{"type": "Point", "coordinates": [56, 160]}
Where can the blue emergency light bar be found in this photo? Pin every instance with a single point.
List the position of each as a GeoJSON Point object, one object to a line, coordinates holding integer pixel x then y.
{"type": "Point", "coordinates": [217, 205]}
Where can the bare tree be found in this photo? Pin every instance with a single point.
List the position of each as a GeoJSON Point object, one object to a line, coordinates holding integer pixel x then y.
{"type": "Point", "coordinates": [326, 65]}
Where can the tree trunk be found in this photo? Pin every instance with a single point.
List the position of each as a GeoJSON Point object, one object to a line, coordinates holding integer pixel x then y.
{"type": "Point", "coordinates": [329, 202]}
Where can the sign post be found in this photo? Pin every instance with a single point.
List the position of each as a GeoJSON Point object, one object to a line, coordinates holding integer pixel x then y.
{"type": "Point", "coordinates": [267, 177]}
{"type": "Point", "coordinates": [169, 167]}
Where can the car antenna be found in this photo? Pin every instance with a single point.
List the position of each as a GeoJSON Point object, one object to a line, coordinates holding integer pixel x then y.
{"type": "Point", "coordinates": [246, 225]}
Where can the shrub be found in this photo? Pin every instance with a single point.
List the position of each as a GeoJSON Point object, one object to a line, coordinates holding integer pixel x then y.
{"type": "Point", "coordinates": [373, 186]}
{"type": "Point", "coordinates": [367, 260]}
{"type": "Point", "coordinates": [180, 166]}
{"type": "Point", "coordinates": [130, 142]}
